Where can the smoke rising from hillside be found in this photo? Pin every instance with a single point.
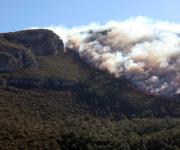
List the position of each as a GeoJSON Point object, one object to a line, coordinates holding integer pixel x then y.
{"type": "Point", "coordinates": [146, 52]}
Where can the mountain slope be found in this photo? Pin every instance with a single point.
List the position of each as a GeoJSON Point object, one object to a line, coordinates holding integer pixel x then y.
{"type": "Point", "coordinates": [65, 103]}
{"type": "Point", "coordinates": [99, 89]}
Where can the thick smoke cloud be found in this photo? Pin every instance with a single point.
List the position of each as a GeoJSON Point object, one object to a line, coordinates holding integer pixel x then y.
{"type": "Point", "coordinates": [146, 52]}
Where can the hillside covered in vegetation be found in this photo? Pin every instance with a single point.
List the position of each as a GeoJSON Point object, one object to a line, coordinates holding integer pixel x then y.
{"type": "Point", "coordinates": [51, 99]}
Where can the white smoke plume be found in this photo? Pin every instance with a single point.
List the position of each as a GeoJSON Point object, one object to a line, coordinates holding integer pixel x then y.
{"type": "Point", "coordinates": [145, 51]}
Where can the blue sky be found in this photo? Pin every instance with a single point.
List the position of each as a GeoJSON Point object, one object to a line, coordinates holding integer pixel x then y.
{"type": "Point", "coordinates": [20, 14]}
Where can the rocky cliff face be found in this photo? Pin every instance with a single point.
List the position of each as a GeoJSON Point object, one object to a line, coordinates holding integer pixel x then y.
{"type": "Point", "coordinates": [8, 62]}
{"type": "Point", "coordinates": [19, 49]}
{"type": "Point", "coordinates": [40, 41]}
{"type": "Point", "coordinates": [13, 56]}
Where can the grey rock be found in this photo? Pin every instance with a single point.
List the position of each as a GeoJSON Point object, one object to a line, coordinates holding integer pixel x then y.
{"type": "Point", "coordinates": [40, 41]}
{"type": "Point", "coordinates": [8, 63]}
{"type": "Point", "coordinates": [13, 56]}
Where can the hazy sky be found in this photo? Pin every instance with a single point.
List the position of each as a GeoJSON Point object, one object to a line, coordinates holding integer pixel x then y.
{"type": "Point", "coordinates": [20, 14]}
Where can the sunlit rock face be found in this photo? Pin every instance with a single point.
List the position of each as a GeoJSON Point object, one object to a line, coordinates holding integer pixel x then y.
{"type": "Point", "coordinates": [18, 49]}
{"type": "Point", "coordinates": [13, 56]}
{"type": "Point", "coordinates": [40, 41]}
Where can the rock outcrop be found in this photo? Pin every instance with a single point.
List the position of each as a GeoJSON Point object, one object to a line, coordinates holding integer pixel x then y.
{"type": "Point", "coordinates": [40, 41]}
{"type": "Point", "coordinates": [13, 56]}
{"type": "Point", "coordinates": [8, 63]}
{"type": "Point", "coordinates": [18, 49]}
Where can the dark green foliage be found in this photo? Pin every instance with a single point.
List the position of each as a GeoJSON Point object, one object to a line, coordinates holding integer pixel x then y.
{"type": "Point", "coordinates": [46, 119]}
{"type": "Point", "coordinates": [102, 112]}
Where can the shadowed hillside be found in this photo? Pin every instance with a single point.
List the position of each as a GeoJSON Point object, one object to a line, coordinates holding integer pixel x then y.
{"type": "Point", "coordinates": [64, 103]}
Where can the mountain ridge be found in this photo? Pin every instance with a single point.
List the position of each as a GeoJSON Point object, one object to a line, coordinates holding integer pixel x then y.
{"type": "Point", "coordinates": [65, 103]}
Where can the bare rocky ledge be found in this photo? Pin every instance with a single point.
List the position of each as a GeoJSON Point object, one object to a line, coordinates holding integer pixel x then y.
{"type": "Point", "coordinates": [18, 49]}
